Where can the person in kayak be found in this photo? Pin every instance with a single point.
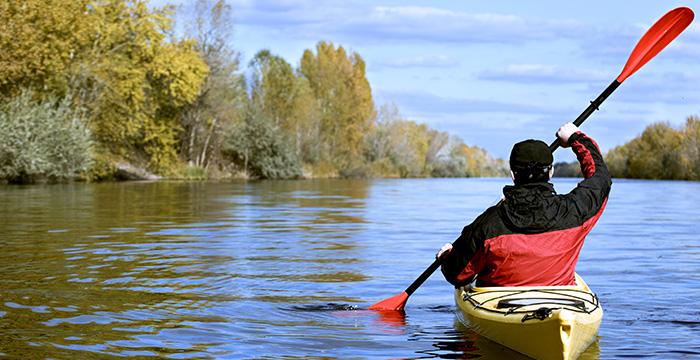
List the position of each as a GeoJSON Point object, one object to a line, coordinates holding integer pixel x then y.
{"type": "Point", "coordinates": [533, 236]}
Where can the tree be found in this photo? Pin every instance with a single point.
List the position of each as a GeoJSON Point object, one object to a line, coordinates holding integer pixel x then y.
{"type": "Point", "coordinates": [469, 161]}
{"type": "Point", "coordinates": [454, 164]}
{"type": "Point", "coordinates": [690, 148]}
{"type": "Point", "coordinates": [660, 152]}
{"type": "Point", "coordinates": [134, 82]}
{"type": "Point", "coordinates": [564, 169]}
{"type": "Point", "coordinates": [437, 140]}
{"type": "Point", "coordinates": [409, 142]}
{"type": "Point", "coordinates": [221, 102]}
{"type": "Point", "coordinates": [305, 124]}
{"type": "Point", "coordinates": [261, 149]}
{"type": "Point", "coordinates": [111, 58]}
{"type": "Point", "coordinates": [273, 87]}
{"type": "Point", "coordinates": [288, 100]}
{"type": "Point", "coordinates": [40, 40]}
{"type": "Point", "coordinates": [378, 140]}
{"type": "Point", "coordinates": [339, 84]}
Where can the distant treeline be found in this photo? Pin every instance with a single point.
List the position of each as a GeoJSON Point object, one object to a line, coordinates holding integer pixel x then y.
{"type": "Point", "coordinates": [86, 85]}
{"type": "Point", "coordinates": [660, 152]}
{"type": "Point", "coordinates": [563, 169]}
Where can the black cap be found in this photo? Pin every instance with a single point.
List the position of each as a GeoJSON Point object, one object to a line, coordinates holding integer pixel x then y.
{"type": "Point", "coordinates": [530, 154]}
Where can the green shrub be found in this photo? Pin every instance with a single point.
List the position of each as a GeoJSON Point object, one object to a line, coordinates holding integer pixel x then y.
{"type": "Point", "coordinates": [42, 139]}
{"type": "Point", "coordinates": [261, 150]}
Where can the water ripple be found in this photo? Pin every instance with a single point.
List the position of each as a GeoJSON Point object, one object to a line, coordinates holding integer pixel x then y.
{"type": "Point", "coordinates": [287, 269]}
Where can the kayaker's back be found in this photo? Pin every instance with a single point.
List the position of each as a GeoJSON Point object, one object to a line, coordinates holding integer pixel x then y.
{"type": "Point", "coordinates": [534, 259]}
{"type": "Point", "coordinates": [533, 237]}
{"type": "Point", "coordinates": [531, 251]}
{"type": "Point", "coordinates": [541, 241]}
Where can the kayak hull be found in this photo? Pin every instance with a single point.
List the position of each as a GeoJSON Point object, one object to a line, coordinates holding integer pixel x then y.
{"type": "Point", "coordinates": [550, 322]}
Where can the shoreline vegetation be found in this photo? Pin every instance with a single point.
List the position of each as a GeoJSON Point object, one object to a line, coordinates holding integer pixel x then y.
{"type": "Point", "coordinates": [661, 152]}
{"type": "Point", "coordinates": [110, 90]}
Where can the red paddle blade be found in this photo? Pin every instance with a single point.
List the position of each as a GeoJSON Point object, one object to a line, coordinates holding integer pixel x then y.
{"type": "Point", "coordinates": [656, 38]}
{"type": "Point", "coordinates": [394, 303]}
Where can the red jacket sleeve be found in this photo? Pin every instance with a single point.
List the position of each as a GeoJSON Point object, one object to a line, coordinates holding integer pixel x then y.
{"type": "Point", "coordinates": [590, 194]}
{"type": "Point", "coordinates": [468, 256]}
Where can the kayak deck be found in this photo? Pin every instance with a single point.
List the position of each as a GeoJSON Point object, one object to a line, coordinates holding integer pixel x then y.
{"type": "Point", "coordinates": [550, 322]}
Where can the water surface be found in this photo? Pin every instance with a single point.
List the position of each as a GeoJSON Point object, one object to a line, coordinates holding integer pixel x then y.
{"type": "Point", "coordinates": [285, 269]}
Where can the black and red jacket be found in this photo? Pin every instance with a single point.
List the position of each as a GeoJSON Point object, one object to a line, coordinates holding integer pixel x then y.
{"type": "Point", "coordinates": [533, 236]}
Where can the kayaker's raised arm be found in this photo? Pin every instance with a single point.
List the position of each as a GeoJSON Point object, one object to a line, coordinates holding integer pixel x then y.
{"type": "Point", "coordinates": [590, 194]}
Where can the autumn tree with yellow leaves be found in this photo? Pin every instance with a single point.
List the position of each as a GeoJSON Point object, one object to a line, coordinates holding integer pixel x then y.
{"type": "Point", "coordinates": [128, 89]}
{"type": "Point", "coordinates": [660, 152]}
{"type": "Point", "coordinates": [287, 99]}
{"type": "Point", "coordinates": [344, 95]}
{"type": "Point", "coordinates": [114, 59]}
{"type": "Point", "coordinates": [135, 81]}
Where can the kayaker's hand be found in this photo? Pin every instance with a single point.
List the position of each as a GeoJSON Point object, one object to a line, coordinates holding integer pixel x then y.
{"type": "Point", "coordinates": [444, 250]}
{"type": "Point", "coordinates": [565, 132]}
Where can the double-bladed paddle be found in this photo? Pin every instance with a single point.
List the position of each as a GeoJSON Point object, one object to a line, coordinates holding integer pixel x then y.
{"type": "Point", "coordinates": [654, 40]}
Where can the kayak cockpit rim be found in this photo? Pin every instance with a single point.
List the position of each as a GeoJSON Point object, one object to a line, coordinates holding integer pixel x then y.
{"type": "Point", "coordinates": [504, 300]}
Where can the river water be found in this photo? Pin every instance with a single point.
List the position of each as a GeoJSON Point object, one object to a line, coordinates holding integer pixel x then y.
{"type": "Point", "coordinates": [286, 269]}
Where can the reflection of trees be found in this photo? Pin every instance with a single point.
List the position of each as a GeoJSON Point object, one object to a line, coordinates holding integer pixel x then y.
{"type": "Point", "coordinates": [326, 196]}
{"type": "Point", "coordinates": [330, 209]}
{"type": "Point", "coordinates": [90, 255]}
{"type": "Point", "coordinates": [111, 268]}
{"type": "Point", "coordinates": [303, 233]}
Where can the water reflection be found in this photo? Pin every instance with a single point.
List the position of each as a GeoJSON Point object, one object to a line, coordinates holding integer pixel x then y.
{"type": "Point", "coordinates": [284, 269]}
{"type": "Point", "coordinates": [458, 342]}
{"type": "Point", "coordinates": [118, 268]}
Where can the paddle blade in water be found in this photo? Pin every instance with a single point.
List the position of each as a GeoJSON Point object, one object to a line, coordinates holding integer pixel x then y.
{"type": "Point", "coordinates": [656, 38]}
{"type": "Point", "coordinates": [394, 303]}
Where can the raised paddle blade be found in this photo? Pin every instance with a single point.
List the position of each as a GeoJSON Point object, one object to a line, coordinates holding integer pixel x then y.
{"type": "Point", "coordinates": [394, 303]}
{"type": "Point", "coordinates": [656, 38]}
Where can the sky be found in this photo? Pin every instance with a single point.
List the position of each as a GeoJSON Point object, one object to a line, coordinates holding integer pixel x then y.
{"type": "Point", "coordinates": [493, 73]}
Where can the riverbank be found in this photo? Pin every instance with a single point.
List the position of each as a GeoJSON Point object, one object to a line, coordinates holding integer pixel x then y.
{"type": "Point", "coordinates": [124, 172]}
{"type": "Point", "coordinates": [181, 106]}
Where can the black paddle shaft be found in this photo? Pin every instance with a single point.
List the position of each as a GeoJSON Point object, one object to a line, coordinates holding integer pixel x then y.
{"type": "Point", "coordinates": [595, 104]}
{"type": "Point", "coordinates": [424, 276]}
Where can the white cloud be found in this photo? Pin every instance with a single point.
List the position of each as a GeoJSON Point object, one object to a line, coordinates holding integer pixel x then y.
{"type": "Point", "coordinates": [613, 45]}
{"type": "Point", "coordinates": [291, 16]}
{"type": "Point", "coordinates": [670, 88]}
{"type": "Point", "coordinates": [352, 20]}
{"type": "Point", "coordinates": [422, 61]}
{"type": "Point", "coordinates": [540, 73]}
{"type": "Point", "coordinates": [440, 25]}
{"type": "Point", "coordinates": [427, 105]}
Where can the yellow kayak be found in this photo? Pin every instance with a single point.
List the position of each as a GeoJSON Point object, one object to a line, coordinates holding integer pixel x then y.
{"type": "Point", "coordinates": [546, 322]}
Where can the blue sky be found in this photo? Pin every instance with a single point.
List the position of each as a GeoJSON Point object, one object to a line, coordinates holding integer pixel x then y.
{"type": "Point", "coordinates": [493, 72]}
